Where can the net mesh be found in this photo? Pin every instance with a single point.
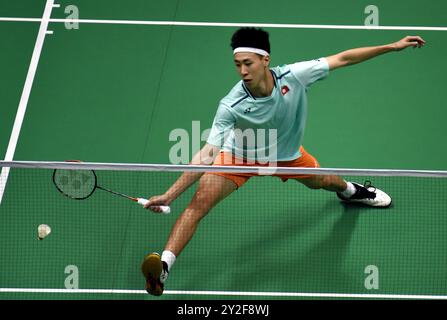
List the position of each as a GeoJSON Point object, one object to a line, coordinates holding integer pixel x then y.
{"type": "Point", "coordinates": [268, 237]}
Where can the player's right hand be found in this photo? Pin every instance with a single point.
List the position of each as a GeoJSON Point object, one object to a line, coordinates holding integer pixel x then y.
{"type": "Point", "coordinates": [156, 201]}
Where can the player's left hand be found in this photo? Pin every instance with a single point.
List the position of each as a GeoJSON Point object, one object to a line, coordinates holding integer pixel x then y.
{"type": "Point", "coordinates": [409, 41]}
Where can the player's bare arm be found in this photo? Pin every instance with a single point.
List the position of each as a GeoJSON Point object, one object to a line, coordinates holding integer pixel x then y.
{"type": "Point", "coordinates": [353, 56]}
{"type": "Point", "coordinates": [205, 156]}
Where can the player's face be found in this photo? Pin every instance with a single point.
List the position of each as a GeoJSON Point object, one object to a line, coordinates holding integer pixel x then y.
{"type": "Point", "coordinates": [251, 67]}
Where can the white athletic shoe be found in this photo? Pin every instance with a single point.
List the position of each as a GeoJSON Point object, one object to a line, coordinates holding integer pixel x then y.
{"type": "Point", "coordinates": [368, 195]}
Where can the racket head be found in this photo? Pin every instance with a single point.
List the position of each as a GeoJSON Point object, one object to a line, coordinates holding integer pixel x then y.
{"type": "Point", "coordinates": [75, 184]}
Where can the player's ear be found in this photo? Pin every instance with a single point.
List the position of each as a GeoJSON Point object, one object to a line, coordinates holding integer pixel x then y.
{"type": "Point", "coordinates": [266, 60]}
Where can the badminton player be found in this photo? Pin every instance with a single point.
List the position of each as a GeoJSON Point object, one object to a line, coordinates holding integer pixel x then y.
{"type": "Point", "coordinates": [265, 98]}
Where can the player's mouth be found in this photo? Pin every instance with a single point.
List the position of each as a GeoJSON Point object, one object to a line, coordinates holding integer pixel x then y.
{"type": "Point", "coordinates": [247, 80]}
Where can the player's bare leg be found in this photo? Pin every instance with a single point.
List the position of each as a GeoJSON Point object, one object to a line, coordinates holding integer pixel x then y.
{"type": "Point", "coordinates": [327, 182]}
{"type": "Point", "coordinates": [211, 190]}
{"type": "Point", "coordinates": [349, 191]}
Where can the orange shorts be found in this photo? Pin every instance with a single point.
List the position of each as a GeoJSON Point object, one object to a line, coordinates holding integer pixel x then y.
{"type": "Point", "coordinates": [228, 159]}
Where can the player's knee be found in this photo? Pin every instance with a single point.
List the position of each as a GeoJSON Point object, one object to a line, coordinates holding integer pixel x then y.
{"type": "Point", "coordinates": [200, 204]}
{"type": "Point", "coordinates": [200, 198]}
{"type": "Point", "coordinates": [194, 214]}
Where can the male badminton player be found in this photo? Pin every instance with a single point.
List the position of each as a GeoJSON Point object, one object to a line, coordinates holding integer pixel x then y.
{"type": "Point", "coordinates": [267, 98]}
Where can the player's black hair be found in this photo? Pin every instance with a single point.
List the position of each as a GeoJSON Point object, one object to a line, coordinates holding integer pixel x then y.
{"type": "Point", "coordinates": [251, 37]}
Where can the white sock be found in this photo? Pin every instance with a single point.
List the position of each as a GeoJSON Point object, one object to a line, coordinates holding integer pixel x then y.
{"type": "Point", "coordinates": [350, 190]}
{"type": "Point", "coordinates": [168, 257]}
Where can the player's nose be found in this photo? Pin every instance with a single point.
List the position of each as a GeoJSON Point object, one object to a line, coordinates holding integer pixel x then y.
{"type": "Point", "coordinates": [244, 71]}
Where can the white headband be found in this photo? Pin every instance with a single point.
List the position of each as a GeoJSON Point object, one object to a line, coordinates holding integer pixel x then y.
{"type": "Point", "coordinates": [254, 50]}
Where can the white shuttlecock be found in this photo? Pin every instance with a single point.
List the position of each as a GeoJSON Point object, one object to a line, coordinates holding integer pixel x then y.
{"type": "Point", "coordinates": [43, 230]}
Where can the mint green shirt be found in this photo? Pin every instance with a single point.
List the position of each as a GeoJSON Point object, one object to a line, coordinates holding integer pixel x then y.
{"type": "Point", "coordinates": [268, 128]}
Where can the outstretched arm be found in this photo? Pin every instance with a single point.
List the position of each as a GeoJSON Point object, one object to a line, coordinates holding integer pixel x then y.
{"type": "Point", "coordinates": [205, 156]}
{"type": "Point", "coordinates": [357, 55]}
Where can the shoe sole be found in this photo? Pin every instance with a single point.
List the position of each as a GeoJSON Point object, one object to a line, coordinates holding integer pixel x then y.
{"type": "Point", "coordinates": [366, 205]}
{"type": "Point", "coordinates": [151, 269]}
{"type": "Point", "coordinates": [152, 266]}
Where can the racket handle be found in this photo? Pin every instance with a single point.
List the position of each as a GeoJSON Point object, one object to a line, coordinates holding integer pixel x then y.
{"type": "Point", "coordinates": [164, 209]}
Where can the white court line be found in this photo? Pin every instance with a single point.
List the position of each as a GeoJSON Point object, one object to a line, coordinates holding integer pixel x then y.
{"type": "Point", "coordinates": [228, 24]}
{"type": "Point", "coordinates": [229, 293]}
{"type": "Point", "coordinates": [20, 115]}
{"type": "Point", "coordinates": [6, 19]}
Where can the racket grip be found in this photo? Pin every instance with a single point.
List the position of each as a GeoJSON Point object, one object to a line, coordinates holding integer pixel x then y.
{"type": "Point", "coordinates": [164, 209]}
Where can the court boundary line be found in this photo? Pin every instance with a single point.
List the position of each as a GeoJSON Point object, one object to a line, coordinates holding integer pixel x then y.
{"type": "Point", "coordinates": [26, 92]}
{"type": "Point", "coordinates": [230, 293]}
{"type": "Point", "coordinates": [228, 24]}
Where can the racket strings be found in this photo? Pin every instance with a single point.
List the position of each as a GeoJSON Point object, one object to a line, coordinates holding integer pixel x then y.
{"type": "Point", "coordinates": [76, 184]}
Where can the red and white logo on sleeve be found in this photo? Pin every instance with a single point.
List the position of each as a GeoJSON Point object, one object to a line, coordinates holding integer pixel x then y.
{"type": "Point", "coordinates": [284, 90]}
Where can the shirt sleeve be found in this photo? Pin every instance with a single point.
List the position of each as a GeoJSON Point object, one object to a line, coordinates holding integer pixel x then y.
{"type": "Point", "coordinates": [308, 72]}
{"type": "Point", "coordinates": [222, 124]}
